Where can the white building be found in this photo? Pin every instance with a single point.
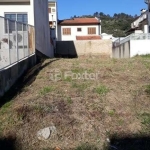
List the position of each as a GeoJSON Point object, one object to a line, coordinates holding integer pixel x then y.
{"type": "Point", "coordinates": [79, 29]}
{"type": "Point", "coordinates": [106, 36]}
{"type": "Point", "coordinates": [33, 12]}
{"type": "Point", "coordinates": [53, 15]}
{"type": "Point", "coordinates": [148, 13]}
{"type": "Point", "coordinates": [140, 24]}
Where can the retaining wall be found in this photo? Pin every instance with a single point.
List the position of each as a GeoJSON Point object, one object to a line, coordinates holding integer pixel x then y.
{"type": "Point", "coordinates": [84, 47]}
{"type": "Point", "coordinates": [9, 75]}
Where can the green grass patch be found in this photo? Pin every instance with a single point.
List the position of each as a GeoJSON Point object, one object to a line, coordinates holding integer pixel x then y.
{"type": "Point", "coordinates": [114, 60]}
{"type": "Point", "coordinates": [86, 146]}
{"type": "Point", "coordinates": [147, 89]}
{"type": "Point", "coordinates": [77, 70]}
{"type": "Point", "coordinates": [46, 90]}
{"type": "Point", "coordinates": [145, 117]}
{"type": "Point", "coordinates": [69, 100]}
{"type": "Point", "coordinates": [68, 79]}
{"type": "Point", "coordinates": [111, 112]}
{"type": "Point", "coordinates": [102, 90]}
{"type": "Point", "coordinates": [5, 107]}
{"type": "Point", "coordinates": [145, 56]}
{"type": "Point", "coordinates": [80, 86]}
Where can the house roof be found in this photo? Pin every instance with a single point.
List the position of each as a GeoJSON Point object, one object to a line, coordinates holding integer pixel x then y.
{"type": "Point", "coordinates": [80, 21]}
{"type": "Point", "coordinates": [89, 37]}
{"type": "Point", "coordinates": [132, 30]}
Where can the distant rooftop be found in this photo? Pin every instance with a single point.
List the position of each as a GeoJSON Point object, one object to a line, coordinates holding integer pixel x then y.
{"type": "Point", "coordinates": [89, 37]}
{"type": "Point", "coordinates": [77, 21]}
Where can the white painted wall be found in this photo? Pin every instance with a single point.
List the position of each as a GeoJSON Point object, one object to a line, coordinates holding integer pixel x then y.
{"type": "Point", "coordinates": [38, 16]}
{"type": "Point", "coordinates": [75, 33]}
{"type": "Point", "coordinates": [42, 30]}
{"type": "Point", "coordinates": [139, 47]}
{"type": "Point", "coordinates": [149, 16]}
{"type": "Point", "coordinates": [19, 9]}
{"type": "Point", "coordinates": [53, 16]}
{"type": "Point", "coordinates": [107, 37]}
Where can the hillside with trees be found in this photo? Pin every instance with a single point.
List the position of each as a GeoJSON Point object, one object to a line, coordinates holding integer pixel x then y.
{"type": "Point", "coordinates": [117, 24]}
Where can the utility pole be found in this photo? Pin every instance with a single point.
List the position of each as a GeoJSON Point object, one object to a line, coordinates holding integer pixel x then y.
{"type": "Point", "coordinates": [148, 14]}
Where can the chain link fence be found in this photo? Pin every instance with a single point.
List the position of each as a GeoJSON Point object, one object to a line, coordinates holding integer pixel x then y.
{"type": "Point", "coordinates": [17, 41]}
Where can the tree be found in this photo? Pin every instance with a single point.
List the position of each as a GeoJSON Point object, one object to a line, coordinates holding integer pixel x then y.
{"type": "Point", "coordinates": [117, 24]}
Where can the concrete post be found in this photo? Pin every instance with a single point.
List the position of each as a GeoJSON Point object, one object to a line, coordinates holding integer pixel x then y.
{"type": "Point", "coordinates": [148, 17]}
{"type": "Point", "coordinates": [8, 41]}
{"type": "Point", "coordinates": [16, 28]}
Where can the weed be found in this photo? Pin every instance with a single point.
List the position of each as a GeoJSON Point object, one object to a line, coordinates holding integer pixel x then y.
{"type": "Point", "coordinates": [114, 60]}
{"type": "Point", "coordinates": [80, 87]}
{"type": "Point", "coordinates": [145, 118]}
{"type": "Point", "coordinates": [147, 89]}
{"type": "Point", "coordinates": [22, 112]}
{"type": "Point", "coordinates": [68, 79]}
{"type": "Point", "coordinates": [38, 108]}
{"type": "Point", "coordinates": [146, 63]}
{"type": "Point", "coordinates": [102, 90]}
{"type": "Point", "coordinates": [78, 70]}
{"type": "Point", "coordinates": [26, 89]}
{"type": "Point", "coordinates": [69, 100]}
{"type": "Point", "coordinates": [111, 112]}
{"type": "Point", "coordinates": [46, 90]}
{"type": "Point", "coordinates": [145, 56]}
{"type": "Point", "coordinates": [90, 71]}
{"type": "Point", "coordinates": [5, 107]}
{"type": "Point", "coordinates": [86, 146]}
{"type": "Point", "coordinates": [120, 122]}
{"type": "Point", "coordinates": [40, 77]}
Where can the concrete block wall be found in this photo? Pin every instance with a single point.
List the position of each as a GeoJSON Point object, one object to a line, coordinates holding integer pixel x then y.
{"type": "Point", "coordinates": [84, 47]}
{"type": "Point", "coordinates": [9, 76]}
{"type": "Point", "coordinates": [121, 51]}
{"type": "Point", "coordinates": [131, 49]}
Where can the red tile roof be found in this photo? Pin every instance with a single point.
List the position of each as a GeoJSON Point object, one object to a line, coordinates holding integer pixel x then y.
{"type": "Point", "coordinates": [89, 37]}
{"type": "Point", "coordinates": [78, 21]}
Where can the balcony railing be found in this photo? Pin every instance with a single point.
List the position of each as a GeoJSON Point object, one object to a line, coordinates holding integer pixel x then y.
{"type": "Point", "coordinates": [17, 42]}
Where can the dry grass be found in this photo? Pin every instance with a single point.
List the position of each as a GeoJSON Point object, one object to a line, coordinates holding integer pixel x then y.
{"type": "Point", "coordinates": [83, 111]}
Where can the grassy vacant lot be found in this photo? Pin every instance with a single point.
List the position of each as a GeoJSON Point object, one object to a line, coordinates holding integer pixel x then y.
{"type": "Point", "coordinates": [111, 112]}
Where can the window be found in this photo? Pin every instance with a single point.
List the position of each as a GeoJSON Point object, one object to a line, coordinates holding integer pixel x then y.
{"type": "Point", "coordinates": [66, 31]}
{"type": "Point", "coordinates": [23, 18]}
{"type": "Point", "coordinates": [53, 10]}
{"type": "Point", "coordinates": [91, 30]}
{"type": "Point", "coordinates": [51, 5]}
{"type": "Point", "coordinates": [49, 10]}
{"type": "Point", "coordinates": [79, 29]}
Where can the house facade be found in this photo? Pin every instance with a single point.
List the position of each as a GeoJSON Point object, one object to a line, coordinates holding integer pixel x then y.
{"type": "Point", "coordinates": [79, 29]}
{"type": "Point", "coordinates": [140, 24]}
{"type": "Point", "coordinates": [33, 12]}
{"type": "Point", "coordinates": [53, 15]}
{"type": "Point", "coordinates": [148, 13]}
